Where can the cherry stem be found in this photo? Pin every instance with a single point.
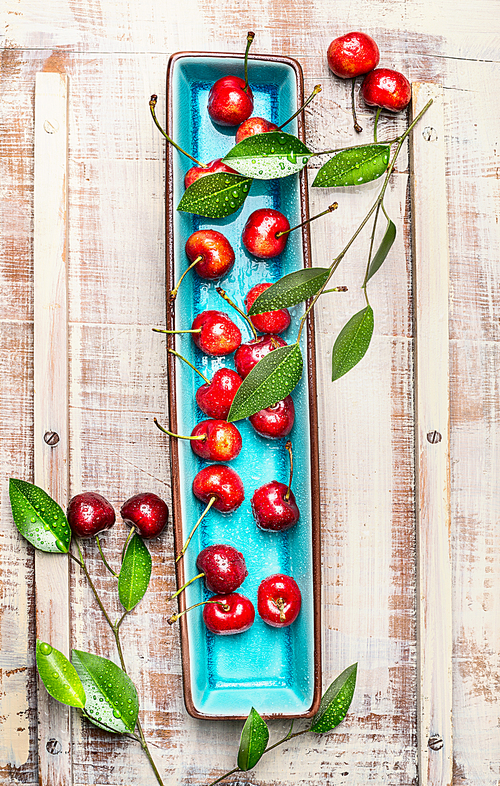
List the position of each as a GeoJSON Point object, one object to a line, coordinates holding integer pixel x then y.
{"type": "Point", "coordinates": [357, 127]}
{"type": "Point", "coordinates": [175, 617]}
{"type": "Point", "coordinates": [152, 104]}
{"type": "Point", "coordinates": [129, 538]}
{"type": "Point", "coordinates": [177, 354]}
{"type": "Point", "coordinates": [317, 89]}
{"type": "Point", "coordinates": [289, 736]}
{"type": "Point", "coordinates": [250, 37]}
{"type": "Point", "coordinates": [173, 293]}
{"type": "Point", "coordinates": [199, 576]}
{"type": "Point", "coordinates": [183, 550]}
{"type": "Point", "coordinates": [336, 289]}
{"type": "Point", "coordinates": [376, 124]}
{"type": "Point", "coordinates": [199, 438]}
{"type": "Point", "coordinates": [288, 447]}
{"type": "Point", "coordinates": [106, 564]}
{"type": "Point", "coordinates": [116, 633]}
{"type": "Point", "coordinates": [161, 330]}
{"type": "Point", "coordinates": [280, 605]}
{"type": "Point", "coordinates": [336, 262]}
{"type": "Point", "coordinates": [329, 209]}
{"type": "Point", "coordinates": [247, 319]}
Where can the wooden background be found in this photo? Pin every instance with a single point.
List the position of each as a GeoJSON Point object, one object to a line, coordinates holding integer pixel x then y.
{"type": "Point", "coordinates": [115, 53]}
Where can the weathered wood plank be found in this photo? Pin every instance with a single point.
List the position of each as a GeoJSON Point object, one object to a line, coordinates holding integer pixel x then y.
{"type": "Point", "coordinates": [51, 436]}
{"type": "Point", "coordinates": [432, 438]}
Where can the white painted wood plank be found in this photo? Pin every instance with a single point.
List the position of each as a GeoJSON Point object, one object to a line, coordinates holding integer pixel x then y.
{"type": "Point", "coordinates": [51, 399]}
{"type": "Point", "coordinates": [434, 578]}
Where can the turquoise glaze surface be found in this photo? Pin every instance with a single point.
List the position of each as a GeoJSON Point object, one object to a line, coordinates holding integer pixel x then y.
{"type": "Point", "coordinates": [268, 668]}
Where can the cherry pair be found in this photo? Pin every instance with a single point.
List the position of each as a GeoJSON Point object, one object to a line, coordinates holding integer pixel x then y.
{"type": "Point", "coordinates": [90, 513]}
{"type": "Point", "coordinates": [356, 54]}
{"type": "Point", "coordinates": [278, 604]}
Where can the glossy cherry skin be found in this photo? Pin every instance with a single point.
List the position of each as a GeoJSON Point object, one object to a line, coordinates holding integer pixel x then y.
{"type": "Point", "coordinates": [224, 568]}
{"type": "Point", "coordinates": [89, 514]}
{"type": "Point", "coordinates": [386, 88]}
{"type": "Point", "coordinates": [271, 508]}
{"type": "Point", "coordinates": [222, 440]}
{"type": "Point", "coordinates": [216, 252]}
{"type": "Point", "coordinates": [279, 600]}
{"type": "Point", "coordinates": [219, 335]}
{"type": "Point", "coordinates": [270, 321]}
{"type": "Point", "coordinates": [353, 54]}
{"type": "Point", "coordinates": [215, 398]}
{"type": "Point", "coordinates": [220, 482]}
{"type": "Point", "coordinates": [232, 613]}
{"type": "Point", "coordinates": [260, 230]}
{"type": "Point", "coordinates": [147, 512]}
{"type": "Point", "coordinates": [228, 103]}
{"type": "Point", "coordinates": [212, 168]}
{"type": "Point", "coordinates": [276, 421]}
{"type": "Point", "coordinates": [249, 354]}
{"type": "Point", "coordinates": [254, 125]}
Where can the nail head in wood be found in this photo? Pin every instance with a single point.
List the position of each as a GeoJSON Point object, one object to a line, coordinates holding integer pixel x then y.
{"type": "Point", "coordinates": [429, 134]}
{"type": "Point", "coordinates": [434, 437]}
{"type": "Point", "coordinates": [51, 438]}
{"type": "Point", "coordinates": [54, 747]}
{"type": "Point", "coordinates": [435, 742]}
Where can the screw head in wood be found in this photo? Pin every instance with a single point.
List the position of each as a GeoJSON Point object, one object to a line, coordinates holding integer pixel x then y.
{"type": "Point", "coordinates": [54, 747]}
{"type": "Point", "coordinates": [434, 437]}
{"type": "Point", "coordinates": [51, 438]}
{"type": "Point", "coordinates": [435, 742]}
{"type": "Point", "coordinates": [51, 126]}
{"type": "Point", "coordinates": [429, 134]}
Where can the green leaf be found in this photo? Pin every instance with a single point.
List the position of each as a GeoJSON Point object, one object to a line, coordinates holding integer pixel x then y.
{"type": "Point", "coordinates": [290, 290]}
{"type": "Point", "coordinates": [134, 574]}
{"type": "Point", "coordinates": [270, 381]}
{"type": "Point", "coordinates": [215, 196]}
{"type": "Point", "coordinates": [353, 166]}
{"type": "Point", "coordinates": [112, 701]}
{"type": "Point", "coordinates": [38, 518]}
{"type": "Point", "coordinates": [270, 155]}
{"type": "Point", "coordinates": [352, 342]}
{"type": "Point", "coordinates": [335, 701]}
{"type": "Point", "coordinates": [382, 251]}
{"type": "Point", "coordinates": [253, 742]}
{"type": "Point", "coordinates": [59, 676]}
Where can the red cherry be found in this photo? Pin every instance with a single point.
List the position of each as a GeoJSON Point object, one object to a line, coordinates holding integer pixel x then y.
{"type": "Point", "coordinates": [278, 600]}
{"type": "Point", "coordinates": [260, 230]}
{"type": "Point", "coordinates": [386, 88]}
{"type": "Point", "coordinates": [353, 54]}
{"type": "Point", "coordinates": [274, 507]}
{"type": "Point", "coordinates": [212, 168]}
{"type": "Point", "coordinates": [215, 398]}
{"type": "Point", "coordinates": [216, 252]}
{"type": "Point", "coordinates": [219, 335]}
{"type": "Point", "coordinates": [254, 125]}
{"type": "Point", "coordinates": [276, 421]}
{"type": "Point", "coordinates": [224, 568]}
{"type": "Point", "coordinates": [89, 514]}
{"type": "Point", "coordinates": [269, 321]}
{"type": "Point", "coordinates": [222, 440]}
{"type": "Point", "coordinates": [228, 103]}
{"type": "Point", "coordinates": [220, 482]}
{"type": "Point", "coordinates": [147, 512]}
{"type": "Point", "coordinates": [248, 355]}
{"type": "Point", "coordinates": [228, 614]}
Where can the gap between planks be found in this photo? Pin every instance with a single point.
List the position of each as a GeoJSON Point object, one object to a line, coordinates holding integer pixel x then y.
{"type": "Point", "coordinates": [432, 439]}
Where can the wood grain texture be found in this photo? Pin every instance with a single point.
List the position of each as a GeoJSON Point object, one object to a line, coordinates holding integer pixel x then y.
{"type": "Point", "coordinates": [115, 53]}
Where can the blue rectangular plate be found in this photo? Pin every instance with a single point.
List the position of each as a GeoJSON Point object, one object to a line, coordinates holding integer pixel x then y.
{"type": "Point", "coordinates": [277, 671]}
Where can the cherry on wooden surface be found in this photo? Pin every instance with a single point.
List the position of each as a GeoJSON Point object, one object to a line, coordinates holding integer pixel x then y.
{"type": "Point", "coordinates": [147, 512]}
{"type": "Point", "coordinates": [89, 514]}
{"type": "Point", "coordinates": [352, 54]}
{"type": "Point", "coordinates": [387, 89]}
